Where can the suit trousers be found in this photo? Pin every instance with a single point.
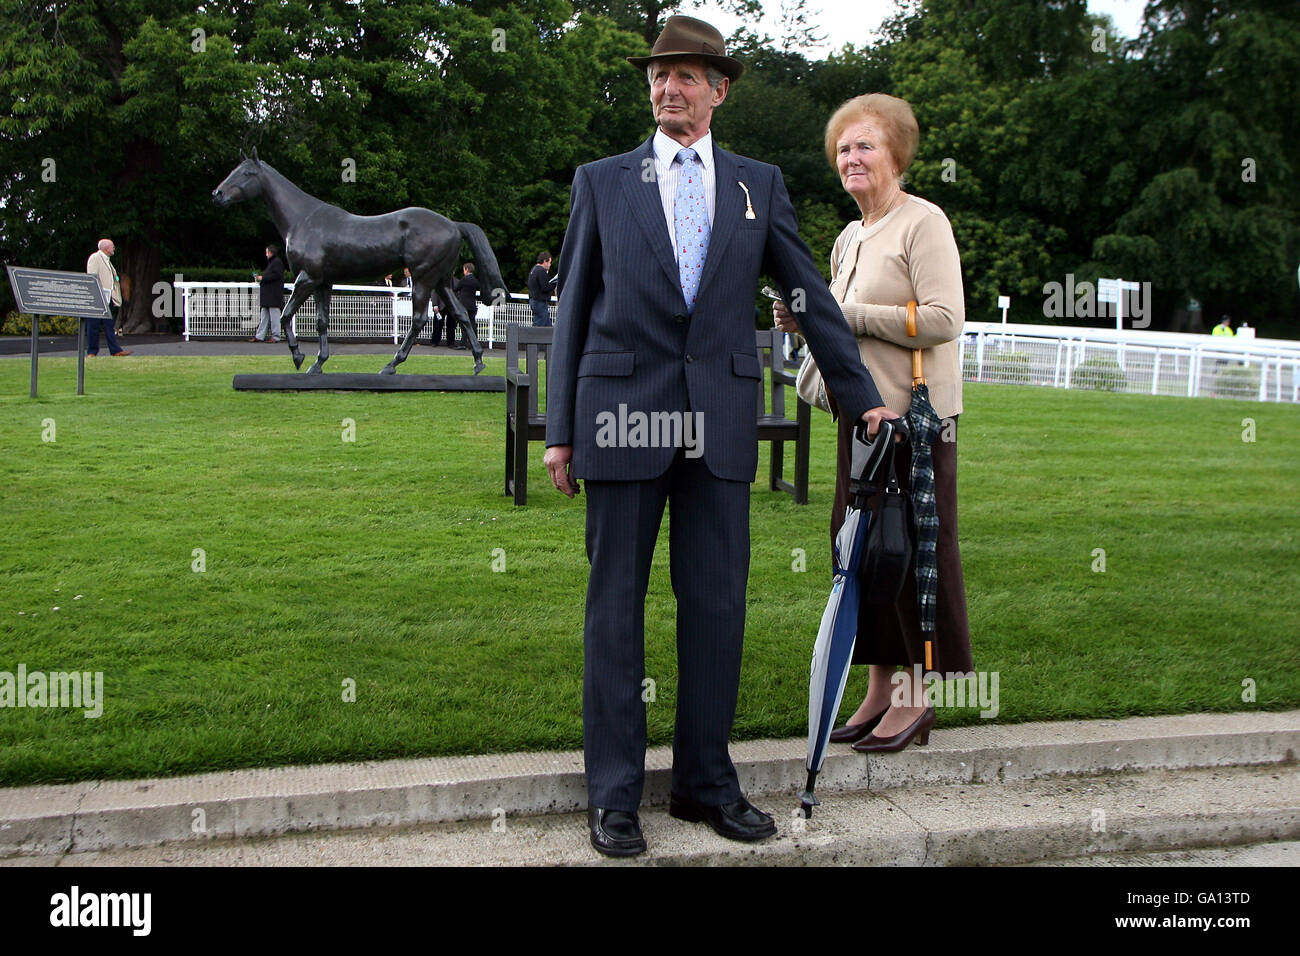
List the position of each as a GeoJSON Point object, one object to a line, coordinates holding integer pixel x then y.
{"type": "Point", "coordinates": [93, 326]}
{"type": "Point", "coordinates": [709, 560]}
{"type": "Point", "coordinates": [268, 324]}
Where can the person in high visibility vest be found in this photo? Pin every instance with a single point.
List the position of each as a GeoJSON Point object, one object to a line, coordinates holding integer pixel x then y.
{"type": "Point", "coordinates": [1224, 327]}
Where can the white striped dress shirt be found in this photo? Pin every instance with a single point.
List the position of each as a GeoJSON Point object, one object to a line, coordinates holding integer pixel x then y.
{"type": "Point", "coordinates": [667, 169]}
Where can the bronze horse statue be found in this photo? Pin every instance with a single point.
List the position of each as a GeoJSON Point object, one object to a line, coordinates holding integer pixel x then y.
{"type": "Point", "coordinates": [324, 245]}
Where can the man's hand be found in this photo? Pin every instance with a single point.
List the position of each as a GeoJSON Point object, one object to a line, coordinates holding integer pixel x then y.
{"type": "Point", "coordinates": [783, 317]}
{"type": "Point", "coordinates": [558, 458]}
{"type": "Point", "coordinates": [873, 417]}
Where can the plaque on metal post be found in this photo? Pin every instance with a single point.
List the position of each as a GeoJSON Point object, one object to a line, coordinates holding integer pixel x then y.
{"type": "Point", "coordinates": [50, 292]}
{"type": "Point", "coordinates": [40, 292]}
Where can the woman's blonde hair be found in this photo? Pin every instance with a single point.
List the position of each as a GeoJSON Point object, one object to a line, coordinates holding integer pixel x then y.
{"type": "Point", "coordinates": [897, 123]}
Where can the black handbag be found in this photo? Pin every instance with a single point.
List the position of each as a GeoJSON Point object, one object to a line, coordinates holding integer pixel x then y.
{"type": "Point", "coordinates": [891, 539]}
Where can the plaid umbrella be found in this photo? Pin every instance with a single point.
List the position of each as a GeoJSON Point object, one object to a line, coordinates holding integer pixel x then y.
{"type": "Point", "coordinates": [924, 425]}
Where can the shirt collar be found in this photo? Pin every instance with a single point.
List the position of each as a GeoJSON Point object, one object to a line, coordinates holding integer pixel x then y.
{"type": "Point", "coordinates": [666, 149]}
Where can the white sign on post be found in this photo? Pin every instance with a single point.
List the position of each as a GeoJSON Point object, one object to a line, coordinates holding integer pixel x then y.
{"type": "Point", "coordinates": [1004, 303]}
{"type": "Point", "coordinates": [1124, 289]}
{"type": "Point", "coordinates": [1108, 291]}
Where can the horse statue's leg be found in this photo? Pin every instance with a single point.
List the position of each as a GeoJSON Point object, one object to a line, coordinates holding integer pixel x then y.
{"type": "Point", "coordinates": [466, 325]}
{"type": "Point", "coordinates": [303, 287]}
{"type": "Point", "coordinates": [322, 327]}
{"type": "Point", "coordinates": [420, 291]}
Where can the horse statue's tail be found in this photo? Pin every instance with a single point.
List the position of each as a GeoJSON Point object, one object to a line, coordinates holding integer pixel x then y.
{"type": "Point", "coordinates": [487, 262]}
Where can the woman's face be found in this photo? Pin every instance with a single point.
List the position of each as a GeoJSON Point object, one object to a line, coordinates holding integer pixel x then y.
{"type": "Point", "coordinates": [867, 168]}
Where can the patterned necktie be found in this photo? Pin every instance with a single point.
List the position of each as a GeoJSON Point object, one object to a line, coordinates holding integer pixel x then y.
{"type": "Point", "coordinates": [691, 224]}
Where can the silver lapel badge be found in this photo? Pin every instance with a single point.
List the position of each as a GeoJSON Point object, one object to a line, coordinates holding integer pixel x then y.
{"type": "Point", "coordinates": [749, 209]}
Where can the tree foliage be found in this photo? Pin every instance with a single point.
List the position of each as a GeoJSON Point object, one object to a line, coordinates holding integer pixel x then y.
{"type": "Point", "coordinates": [1054, 146]}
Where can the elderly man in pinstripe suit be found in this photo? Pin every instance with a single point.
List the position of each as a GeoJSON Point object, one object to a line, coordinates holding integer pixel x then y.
{"type": "Point", "coordinates": [651, 396]}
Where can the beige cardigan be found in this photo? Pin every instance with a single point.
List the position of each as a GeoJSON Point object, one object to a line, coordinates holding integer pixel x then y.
{"type": "Point", "coordinates": [909, 254]}
{"type": "Point", "coordinates": [100, 266]}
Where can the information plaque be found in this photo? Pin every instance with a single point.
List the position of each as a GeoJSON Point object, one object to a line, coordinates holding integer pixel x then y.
{"type": "Point", "coordinates": [40, 292]}
{"type": "Point", "coordinates": [50, 292]}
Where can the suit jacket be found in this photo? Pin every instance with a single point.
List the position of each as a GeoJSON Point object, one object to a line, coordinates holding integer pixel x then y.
{"type": "Point", "coordinates": [466, 289]}
{"type": "Point", "coordinates": [623, 336]}
{"type": "Point", "coordinates": [271, 293]}
{"type": "Point", "coordinates": [99, 266]}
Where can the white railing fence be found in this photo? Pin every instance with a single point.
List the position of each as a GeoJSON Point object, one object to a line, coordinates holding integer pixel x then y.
{"type": "Point", "coordinates": [379, 313]}
{"type": "Point", "coordinates": [1142, 362]}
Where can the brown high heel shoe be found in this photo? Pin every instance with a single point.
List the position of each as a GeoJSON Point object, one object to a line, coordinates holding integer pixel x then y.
{"type": "Point", "coordinates": [852, 733]}
{"type": "Point", "coordinates": [920, 729]}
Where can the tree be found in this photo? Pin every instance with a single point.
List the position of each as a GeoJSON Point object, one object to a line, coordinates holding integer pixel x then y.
{"type": "Point", "coordinates": [1219, 219]}
{"type": "Point", "coordinates": [477, 109]}
{"type": "Point", "coordinates": [102, 111]}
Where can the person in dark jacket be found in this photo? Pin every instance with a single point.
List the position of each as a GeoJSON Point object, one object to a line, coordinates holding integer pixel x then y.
{"type": "Point", "coordinates": [271, 297]}
{"type": "Point", "coordinates": [539, 290]}
{"type": "Point", "coordinates": [466, 289]}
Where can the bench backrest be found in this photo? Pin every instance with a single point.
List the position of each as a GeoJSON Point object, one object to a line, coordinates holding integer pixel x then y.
{"type": "Point", "coordinates": [771, 359]}
{"type": "Point", "coordinates": [533, 343]}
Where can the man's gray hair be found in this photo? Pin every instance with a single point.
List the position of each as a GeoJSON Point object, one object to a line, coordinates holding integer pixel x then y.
{"type": "Point", "coordinates": [713, 74]}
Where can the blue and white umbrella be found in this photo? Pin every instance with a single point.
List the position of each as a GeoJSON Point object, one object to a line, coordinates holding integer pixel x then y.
{"type": "Point", "coordinates": [833, 652]}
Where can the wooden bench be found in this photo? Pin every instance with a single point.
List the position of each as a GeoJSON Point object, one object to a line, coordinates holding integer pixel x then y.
{"type": "Point", "coordinates": [527, 354]}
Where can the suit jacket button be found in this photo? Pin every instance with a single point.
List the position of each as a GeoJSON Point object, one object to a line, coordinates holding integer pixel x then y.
{"type": "Point", "coordinates": [690, 359]}
{"type": "Point", "coordinates": [679, 318]}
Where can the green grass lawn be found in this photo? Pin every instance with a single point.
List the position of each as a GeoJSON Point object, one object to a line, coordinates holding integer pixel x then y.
{"type": "Point", "coordinates": [372, 561]}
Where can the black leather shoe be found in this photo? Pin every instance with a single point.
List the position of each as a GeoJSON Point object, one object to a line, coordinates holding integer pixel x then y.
{"type": "Point", "coordinates": [735, 821]}
{"type": "Point", "coordinates": [852, 733]}
{"type": "Point", "coordinates": [615, 832]}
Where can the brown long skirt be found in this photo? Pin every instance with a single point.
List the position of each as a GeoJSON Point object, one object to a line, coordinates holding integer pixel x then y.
{"type": "Point", "coordinates": [891, 633]}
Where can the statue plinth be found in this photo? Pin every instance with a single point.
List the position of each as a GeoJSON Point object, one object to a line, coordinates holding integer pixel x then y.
{"type": "Point", "coordinates": [368, 382]}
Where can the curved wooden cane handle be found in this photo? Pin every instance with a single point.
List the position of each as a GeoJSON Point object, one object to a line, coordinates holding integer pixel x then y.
{"type": "Point", "coordinates": [917, 375]}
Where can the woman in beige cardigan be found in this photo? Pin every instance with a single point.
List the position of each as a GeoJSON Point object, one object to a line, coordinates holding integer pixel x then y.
{"type": "Point", "coordinates": [901, 249]}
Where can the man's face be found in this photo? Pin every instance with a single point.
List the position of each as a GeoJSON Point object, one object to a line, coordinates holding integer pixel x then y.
{"type": "Point", "coordinates": [681, 100]}
{"type": "Point", "coordinates": [546, 263]}
{"type": "Point", "coordinates": [110, 248]}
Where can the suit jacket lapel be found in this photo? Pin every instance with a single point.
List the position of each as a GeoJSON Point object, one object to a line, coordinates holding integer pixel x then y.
{"type": "Point", "coordinates": [643, 195]}
{"type": "Point", "coordinates": [728, 207]}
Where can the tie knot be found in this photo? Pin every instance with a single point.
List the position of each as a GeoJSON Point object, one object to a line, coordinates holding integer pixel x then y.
{"type": "Point", "coordinates": [685, 156]}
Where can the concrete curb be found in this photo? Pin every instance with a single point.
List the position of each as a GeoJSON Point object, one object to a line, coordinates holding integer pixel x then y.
{"type": "Point", "coordinates": [105, 815]}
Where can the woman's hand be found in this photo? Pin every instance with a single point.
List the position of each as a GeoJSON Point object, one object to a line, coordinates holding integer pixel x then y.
{"type": "Point", "coordinates": [783, 318]}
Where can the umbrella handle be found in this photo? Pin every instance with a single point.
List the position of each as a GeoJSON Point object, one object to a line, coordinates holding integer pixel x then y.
{"type": "Point", "coordinates": [918, 377]}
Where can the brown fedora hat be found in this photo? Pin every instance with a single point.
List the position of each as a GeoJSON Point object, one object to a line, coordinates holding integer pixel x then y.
{"type": "Point", "coordinates": [687, 36]}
